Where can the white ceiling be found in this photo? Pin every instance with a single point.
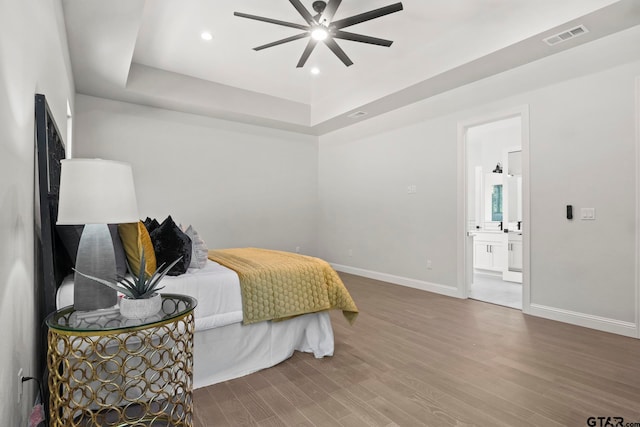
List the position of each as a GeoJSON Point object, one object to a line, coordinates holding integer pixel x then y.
{"type": "Point", "coordinates": [150, 52]}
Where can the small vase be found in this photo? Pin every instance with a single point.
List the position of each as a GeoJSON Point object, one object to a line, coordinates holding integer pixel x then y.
{"type": "Point", "coordinates": [140, 308]}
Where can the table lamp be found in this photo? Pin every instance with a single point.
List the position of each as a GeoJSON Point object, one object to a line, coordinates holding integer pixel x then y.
{"type": "Point", "coordinates": [95, 192]}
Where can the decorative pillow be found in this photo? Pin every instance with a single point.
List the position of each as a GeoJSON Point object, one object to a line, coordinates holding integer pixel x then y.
{"type": "Point", "coordinates": [151, 224]}
{"type": "Point", "coordinates": [135, 239]}
{"type": "Point", "coordinates": [70, 237]}
{"type": "Point", "coordinates": [171, 243]}
{"type": "Point", "coordinates": [199, 250]}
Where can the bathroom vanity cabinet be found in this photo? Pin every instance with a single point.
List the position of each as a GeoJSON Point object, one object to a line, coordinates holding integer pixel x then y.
{"type": "Point", "coordinates": [514, 249]}
{"type": "Point", "coordinates": [490, 250]}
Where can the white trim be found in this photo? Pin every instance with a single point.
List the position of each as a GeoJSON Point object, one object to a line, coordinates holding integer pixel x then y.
{"type": "Point", "coordinates": [449, 291]}
{"type": "Point", "coordinates": [462, 237]}
{"type": "Point", "coordinates": [69, 142]}
{"type": "Point", "coordinates": [462, 216]}
{"type": "Point", "coordinates": [637, 260]}
{"type": "Point", "coordinates": [571, 317]}
{"type": "Point", "coordinates": [512, 276]}
{"type": "Point", "coordinates": [526, 210]}
{"type": "Point", "coordinates": [585, 320]}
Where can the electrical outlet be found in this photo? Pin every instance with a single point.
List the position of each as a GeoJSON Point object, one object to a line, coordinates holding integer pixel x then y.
{"type": "Point", "coordinates": [297, 249]}
{"type": "Point", "coordinates": [20, 376]}
{"type": "Point", "coordinates": [350, 252]}
{"type": "Point", "coordinates": [429, 264]}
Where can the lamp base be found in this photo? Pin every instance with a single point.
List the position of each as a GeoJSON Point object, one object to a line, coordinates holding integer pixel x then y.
{"type": "Point", "coordinates": [96, 257]}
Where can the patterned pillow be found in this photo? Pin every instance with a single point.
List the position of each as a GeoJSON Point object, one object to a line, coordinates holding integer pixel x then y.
{"type": "Point", "coordinates": [171, 243]}
{"type": "Point", "coordinates": [199, 250]}
{"type": "Point", "coordinates": [135, 239]}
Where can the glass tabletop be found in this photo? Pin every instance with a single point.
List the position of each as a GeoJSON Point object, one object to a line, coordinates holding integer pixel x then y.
{"type": "Point", "coordinates": [106, 320]}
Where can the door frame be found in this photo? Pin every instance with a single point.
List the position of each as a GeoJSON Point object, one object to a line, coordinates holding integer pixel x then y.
{"type": "Point", "coordinates": [465, 258]}
{"type": "Point", "coordinates": [637, 266]}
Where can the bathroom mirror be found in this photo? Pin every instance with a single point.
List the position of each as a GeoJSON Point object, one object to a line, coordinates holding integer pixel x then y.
{"type": "Point", "coordinates": [496, 203]}
{"type": "Point", "coordinates": [493, 197]}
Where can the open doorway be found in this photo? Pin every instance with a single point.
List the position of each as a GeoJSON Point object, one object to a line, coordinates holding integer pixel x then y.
{"type": "Point", "coordinates": [494, 207]}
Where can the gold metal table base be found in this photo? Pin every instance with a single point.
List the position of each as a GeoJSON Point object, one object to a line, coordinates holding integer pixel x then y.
{"type": "Point", "coordinates": [141, 376]}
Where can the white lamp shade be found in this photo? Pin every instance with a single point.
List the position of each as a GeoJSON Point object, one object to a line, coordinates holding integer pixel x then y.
{"type": "Point", "coordinates": [96, 191]}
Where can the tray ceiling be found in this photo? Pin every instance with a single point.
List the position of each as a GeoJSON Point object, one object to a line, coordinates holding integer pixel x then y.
{"type": "Point", "coordinates": [150, 52]}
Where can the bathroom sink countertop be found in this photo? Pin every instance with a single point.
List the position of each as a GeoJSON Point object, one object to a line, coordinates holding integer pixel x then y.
{"type": "Point", "coordinates": [480, 230]}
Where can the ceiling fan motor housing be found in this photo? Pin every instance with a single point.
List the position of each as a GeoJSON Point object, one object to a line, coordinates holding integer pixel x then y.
{"type": "Point", "coordinates": [319, 6]}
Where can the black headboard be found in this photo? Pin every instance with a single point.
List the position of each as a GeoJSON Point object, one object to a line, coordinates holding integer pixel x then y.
{"type": "Point", "coordinates": [52, 262]}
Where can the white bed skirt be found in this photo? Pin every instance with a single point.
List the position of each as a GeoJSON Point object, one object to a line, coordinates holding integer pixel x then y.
{"type": "Point", "coordinates": [235, 350]}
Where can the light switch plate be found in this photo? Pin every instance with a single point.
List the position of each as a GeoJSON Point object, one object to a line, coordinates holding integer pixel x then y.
{"type": "Point", "coordinates": [588, 213]}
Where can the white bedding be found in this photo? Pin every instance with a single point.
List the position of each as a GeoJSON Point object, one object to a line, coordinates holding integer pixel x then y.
{"type": "Point", "coordinates": [216, 288]}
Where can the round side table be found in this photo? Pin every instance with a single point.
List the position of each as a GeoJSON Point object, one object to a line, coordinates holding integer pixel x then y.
{"type": "Point", "coordinates": [106, 370]}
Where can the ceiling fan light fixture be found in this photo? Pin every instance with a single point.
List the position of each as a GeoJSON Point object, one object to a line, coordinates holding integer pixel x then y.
{"type": "Point", "coordinates": [315, 71]}
{"type": "Point", "coordinates": [322, 27]}
{"type": "Point", "coordinates": [319, 33]}
{"type": "Point", "coordinates": [206, 36]}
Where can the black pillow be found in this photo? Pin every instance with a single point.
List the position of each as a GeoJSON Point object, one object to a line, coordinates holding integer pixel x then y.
{"type": "Point", "coordinates": [150, 224]}
{"type": "Point", "coordinates": [70, 236]}
{"type": "Point", "coordinates": [171, 243]}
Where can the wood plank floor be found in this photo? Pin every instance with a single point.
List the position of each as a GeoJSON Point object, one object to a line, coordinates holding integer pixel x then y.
{"type": "Point", "coordinates": [416, 358]}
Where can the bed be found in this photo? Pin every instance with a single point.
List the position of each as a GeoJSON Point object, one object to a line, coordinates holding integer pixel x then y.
{"type": "Point", "coordinates": [224, 347]}
{"type": "Point", "coordinates": [226, 344]}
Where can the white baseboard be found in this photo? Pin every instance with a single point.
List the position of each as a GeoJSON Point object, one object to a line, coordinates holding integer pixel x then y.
{"type": "Point", "coordinates": [450, 291]}
{"type": "Point", "coordinates": [488, 273]}
{"type": "Point", "coordinates": [605, 324]}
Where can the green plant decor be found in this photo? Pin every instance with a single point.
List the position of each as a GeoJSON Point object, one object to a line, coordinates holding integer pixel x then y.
{"type": "Point", "coordinates": [139, 287]}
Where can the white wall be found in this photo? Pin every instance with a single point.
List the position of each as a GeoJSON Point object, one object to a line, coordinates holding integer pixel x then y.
{"type": "Point", "coordinates": [33, 59]}
{"type": "Point", "coordinates": [238, 185]}
{"type": "Point", "coordinates": [582, 152]}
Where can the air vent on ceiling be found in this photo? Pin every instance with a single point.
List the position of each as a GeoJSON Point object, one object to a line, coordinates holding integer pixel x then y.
{"type": "Point", "coordinates": [566, 35]}
{"type": "Point", "coordinates": [357, 114]}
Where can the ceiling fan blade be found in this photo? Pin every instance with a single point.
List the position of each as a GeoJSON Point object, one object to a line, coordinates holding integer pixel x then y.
{"type": "Point", "coordinates": [307, 51]}
{"type": "Point", "coordinates": [330, 10]}
{"type": "Point", "coordinates": [303, 11]}
{"type": "Point", "coordinates": [331, 44]}
{"type": "Point", "coordinates": [366, 16]}
{"type": "Point", "coordinates": [271, 21]}
{"type": "Point", "coordinates": [339, 34]}
{"type": "Point", "coordinates": [276, 43]}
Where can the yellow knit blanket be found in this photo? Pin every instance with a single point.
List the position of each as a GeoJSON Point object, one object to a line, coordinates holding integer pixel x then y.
{"type": "Point", "coordinates": [277, 285]}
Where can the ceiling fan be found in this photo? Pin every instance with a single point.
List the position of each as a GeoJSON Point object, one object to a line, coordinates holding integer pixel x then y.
{"type": "Point", "coordinates": [321, 27]}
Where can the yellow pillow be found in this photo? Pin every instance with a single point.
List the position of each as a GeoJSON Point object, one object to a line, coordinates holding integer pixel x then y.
{"type": "Point", "coordinates": [135, 238]}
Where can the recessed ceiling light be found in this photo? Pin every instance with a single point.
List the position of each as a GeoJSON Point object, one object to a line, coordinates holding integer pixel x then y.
{"type": "Point", "coordinates": [206, 36]}
{"type": "Point", "coordinates": [357, 114]}
{"type": "Point", "coordinates": [315, 71]}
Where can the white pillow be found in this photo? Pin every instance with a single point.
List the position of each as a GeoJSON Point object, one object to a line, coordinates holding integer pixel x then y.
{"type": "Point", "coordinates": [199, 251]}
